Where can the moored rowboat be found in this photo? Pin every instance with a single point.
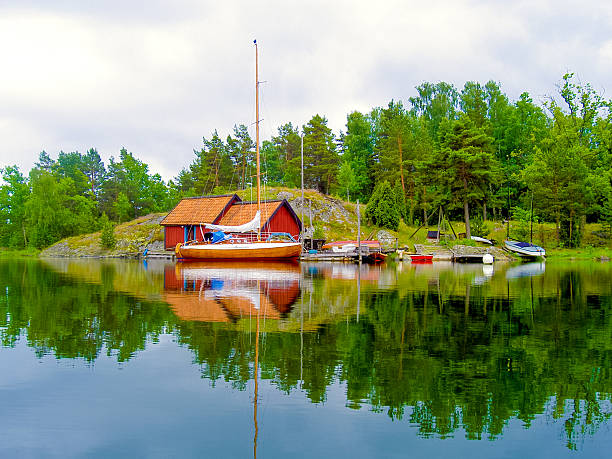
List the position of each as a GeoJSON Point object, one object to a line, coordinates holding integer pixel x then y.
{"type": "Point", "coordinates": [525, 249]}
{"type": "Point", "coordinates": [418, 258]}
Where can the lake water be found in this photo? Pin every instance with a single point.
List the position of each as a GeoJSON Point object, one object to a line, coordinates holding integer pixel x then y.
{"type": "Point", "coordinates": [156, 359]}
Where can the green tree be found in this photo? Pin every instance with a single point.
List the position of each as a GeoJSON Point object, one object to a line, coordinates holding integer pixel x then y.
{"type": "Point", "coordinates": [54, 209]}
{"type": "Point", "coordinates": [122, 208]}
{"type": "Point", "coordinates": [14, 194]}
{"type": "Point", "coordinates": [130, 177]}
{"type": "Point", "coordinates": [320, 156]}
{"type": "Point", "coordinates": [241, 149]}
{"type": "Point", "coordinates": [213, 167]}
{"type": "Point", "coordinates": [282, 157]}
{"type": "Point", "coordinates": [473, 103]}
{"type": "Point", "coordinates": [346, 179]}
{"type": "Point", "coordinates": [466, 164]}
{"type": "Point", "coordinates": [358, 152]}
{"type": "Point", "coordinates": [382, 209]}
{"type": "Point", "coordinates": [94, 170]}
{"type": "Point", "coordinates": [436, 102]}
{"type": "Point", "coordinates": [45, 162]}
{"type": "Point", "coordinates": [71, 165]}
{"type": "Point", "coordinates": [556, 176]}
{"type": "Point", "coordinates": [606, 215]}
{"type": "Point", "coordinates": [107, 236]}
{"type": "Point", "coordinates": [392, 145]}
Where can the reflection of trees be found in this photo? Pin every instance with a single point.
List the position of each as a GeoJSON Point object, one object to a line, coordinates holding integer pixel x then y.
{"type": "Point", "coordinates": [482, 365]}
{"type": "Point", "coordinates": [73, 319]}
{"type": "Point", "coordinates": [441, 353]}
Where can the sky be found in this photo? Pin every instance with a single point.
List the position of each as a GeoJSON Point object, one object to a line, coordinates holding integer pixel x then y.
{"type": "Point", "coordinates": [157, 76]}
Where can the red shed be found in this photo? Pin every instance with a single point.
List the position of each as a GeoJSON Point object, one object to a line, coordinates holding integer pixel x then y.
{"type": "Point", "coordinates": [182, 223]}
{"type": "Point", "coordinates": [185, 221]}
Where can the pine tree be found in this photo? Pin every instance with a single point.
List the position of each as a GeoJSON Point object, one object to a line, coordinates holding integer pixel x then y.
{"type": "Point", "coordinates": [466, 164]}
{"type": "Point", "coordinates": [382, 207]}
{"type": "Point", "coordinates": [358, 152]}
{"type": "Point", "coordinates": [320, 156]}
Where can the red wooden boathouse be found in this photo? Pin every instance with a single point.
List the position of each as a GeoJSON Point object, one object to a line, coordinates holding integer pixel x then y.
{"type": "Point", "coordinates": [186, 221]}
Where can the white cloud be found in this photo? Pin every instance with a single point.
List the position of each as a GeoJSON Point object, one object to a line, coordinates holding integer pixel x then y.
{"type": "Point", "coordinates": [157, 76]}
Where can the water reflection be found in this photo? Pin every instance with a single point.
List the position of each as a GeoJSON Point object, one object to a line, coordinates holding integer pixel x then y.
{"type": "Point", "coordinates": [446, 347]}
{"type": "Point", "coordinates": [229, 292]}
{"type": "Point", "coordinates": [532, 269]}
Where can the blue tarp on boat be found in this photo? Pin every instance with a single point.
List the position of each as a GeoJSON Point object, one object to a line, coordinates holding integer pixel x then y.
{"type": "Point", "coordinates": [219, 236]}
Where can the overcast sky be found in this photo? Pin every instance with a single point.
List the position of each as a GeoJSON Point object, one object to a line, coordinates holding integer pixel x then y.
{"type": "Point", "coordinates": [156, 76]}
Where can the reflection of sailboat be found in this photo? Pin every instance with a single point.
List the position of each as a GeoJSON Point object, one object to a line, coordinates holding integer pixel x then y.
{"type": "Point", "coordinates": [255, 393]}
{"type": "Point", "coordinates": [218, 291]}
{"type": "Point", "coordinates": [224, 247]}
{"type": "Point", "coordinates": [526, 270]}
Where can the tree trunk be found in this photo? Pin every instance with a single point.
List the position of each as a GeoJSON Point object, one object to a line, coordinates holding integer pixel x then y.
{"type": "Point", "coordinates": [558, 227]}
{"type": "Point", "coordinates": [424, 201]}
{"type": "Point", "coordinates": [484, 211]}
{"type": "Point", "coordinates": [466, 210]}
{"type": "Point", "coordinates": [25, 239]}
{"type": "Point", "coordinates": [571, 224]}
{"type": "Point", "coordinates": [466, 213]}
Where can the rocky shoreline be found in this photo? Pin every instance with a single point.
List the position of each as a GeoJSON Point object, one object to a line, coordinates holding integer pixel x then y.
{"type": "Point", "coordinates": [133, 238]}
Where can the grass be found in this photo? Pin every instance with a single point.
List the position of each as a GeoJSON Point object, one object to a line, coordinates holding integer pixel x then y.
{"type": "Point", "coordinates": [18, 253]}
{"type": "Point", "coordinates": [581, 253]}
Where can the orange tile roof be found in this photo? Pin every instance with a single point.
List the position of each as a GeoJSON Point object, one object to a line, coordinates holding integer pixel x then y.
{"type": "Point", "coordinates": [241, 213]}
{"type": "Point", "coordinates": [193, 211]}
{"type": "Point", "coordinates": [194, 306]}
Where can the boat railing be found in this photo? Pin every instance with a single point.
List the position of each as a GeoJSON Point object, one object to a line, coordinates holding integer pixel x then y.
{"type": "Point", "coordinates": [236, 238]}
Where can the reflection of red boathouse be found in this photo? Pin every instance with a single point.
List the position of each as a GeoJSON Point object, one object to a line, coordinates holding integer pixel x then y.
{"type": "Point", "coordinates": [229, 291]}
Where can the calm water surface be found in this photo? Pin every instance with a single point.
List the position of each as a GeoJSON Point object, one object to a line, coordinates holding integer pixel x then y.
{"type": "Point", "coordinates": [133, 359]}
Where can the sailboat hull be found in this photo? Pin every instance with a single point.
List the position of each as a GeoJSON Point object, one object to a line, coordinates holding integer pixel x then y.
{"type": "Point", "coordinates": [240, 251]}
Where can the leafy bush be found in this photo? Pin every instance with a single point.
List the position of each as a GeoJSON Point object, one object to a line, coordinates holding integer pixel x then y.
{"type": "Point", "coordinates": [479, 228]}
{"type": "Point", "coordinates": [319, 232]}
{"type": "Point", "coordinates": [382, 207]}
{"type": "Point", "coordinates": [606, 215]}
{"type": "Point", "coordinates": [107, 237]}
{"type": "Point", "coordinates": [523, 217]}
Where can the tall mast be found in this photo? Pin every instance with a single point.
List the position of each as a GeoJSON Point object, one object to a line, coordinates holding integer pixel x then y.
{"type": "Point", "coordinates": [257, 135]}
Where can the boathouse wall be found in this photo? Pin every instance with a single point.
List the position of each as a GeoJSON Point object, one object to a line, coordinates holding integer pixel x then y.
{"type": "Point", "coordinates": [283, 221]}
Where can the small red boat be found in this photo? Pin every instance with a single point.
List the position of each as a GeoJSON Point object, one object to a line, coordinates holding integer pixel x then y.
{"type": "Point", "coordinates": [374, 257]}
{"type": "Point", "coordinates": [417, 258]}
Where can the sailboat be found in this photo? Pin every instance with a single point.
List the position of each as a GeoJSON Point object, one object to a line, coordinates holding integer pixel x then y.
{"type": "Point", "coordinates": [225, 247]}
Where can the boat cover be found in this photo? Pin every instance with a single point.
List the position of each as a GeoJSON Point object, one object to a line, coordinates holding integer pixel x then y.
{"type": "Point", "coordinates": [253, 225]}
{"type": "Point", "coordinates": [219, 236]}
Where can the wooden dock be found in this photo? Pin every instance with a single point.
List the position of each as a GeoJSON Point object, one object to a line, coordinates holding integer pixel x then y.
{"type": "Point", "coordinates": [468, 257]}
{"type": "Point", "coordinates": [346, 257]}
{"type": "Point", "coordinates": [330, 256]}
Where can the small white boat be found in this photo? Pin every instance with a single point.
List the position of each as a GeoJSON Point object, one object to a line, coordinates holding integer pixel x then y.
{"type": "Point", "coordinates": [346, 248]}
{"type": "Point", "coordinates": [481, 239]}
{"type": "Point", "coordinates": [525, 249]}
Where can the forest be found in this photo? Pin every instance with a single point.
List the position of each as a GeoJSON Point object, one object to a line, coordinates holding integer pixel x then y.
{"type": "Point", "coordinates": [472, 151]}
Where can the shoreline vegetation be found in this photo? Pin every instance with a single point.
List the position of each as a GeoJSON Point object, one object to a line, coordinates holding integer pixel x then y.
{"type": "Point", "coordinates": [332, 219]}
{"type": "Point", "coordinates": [469, 158]}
